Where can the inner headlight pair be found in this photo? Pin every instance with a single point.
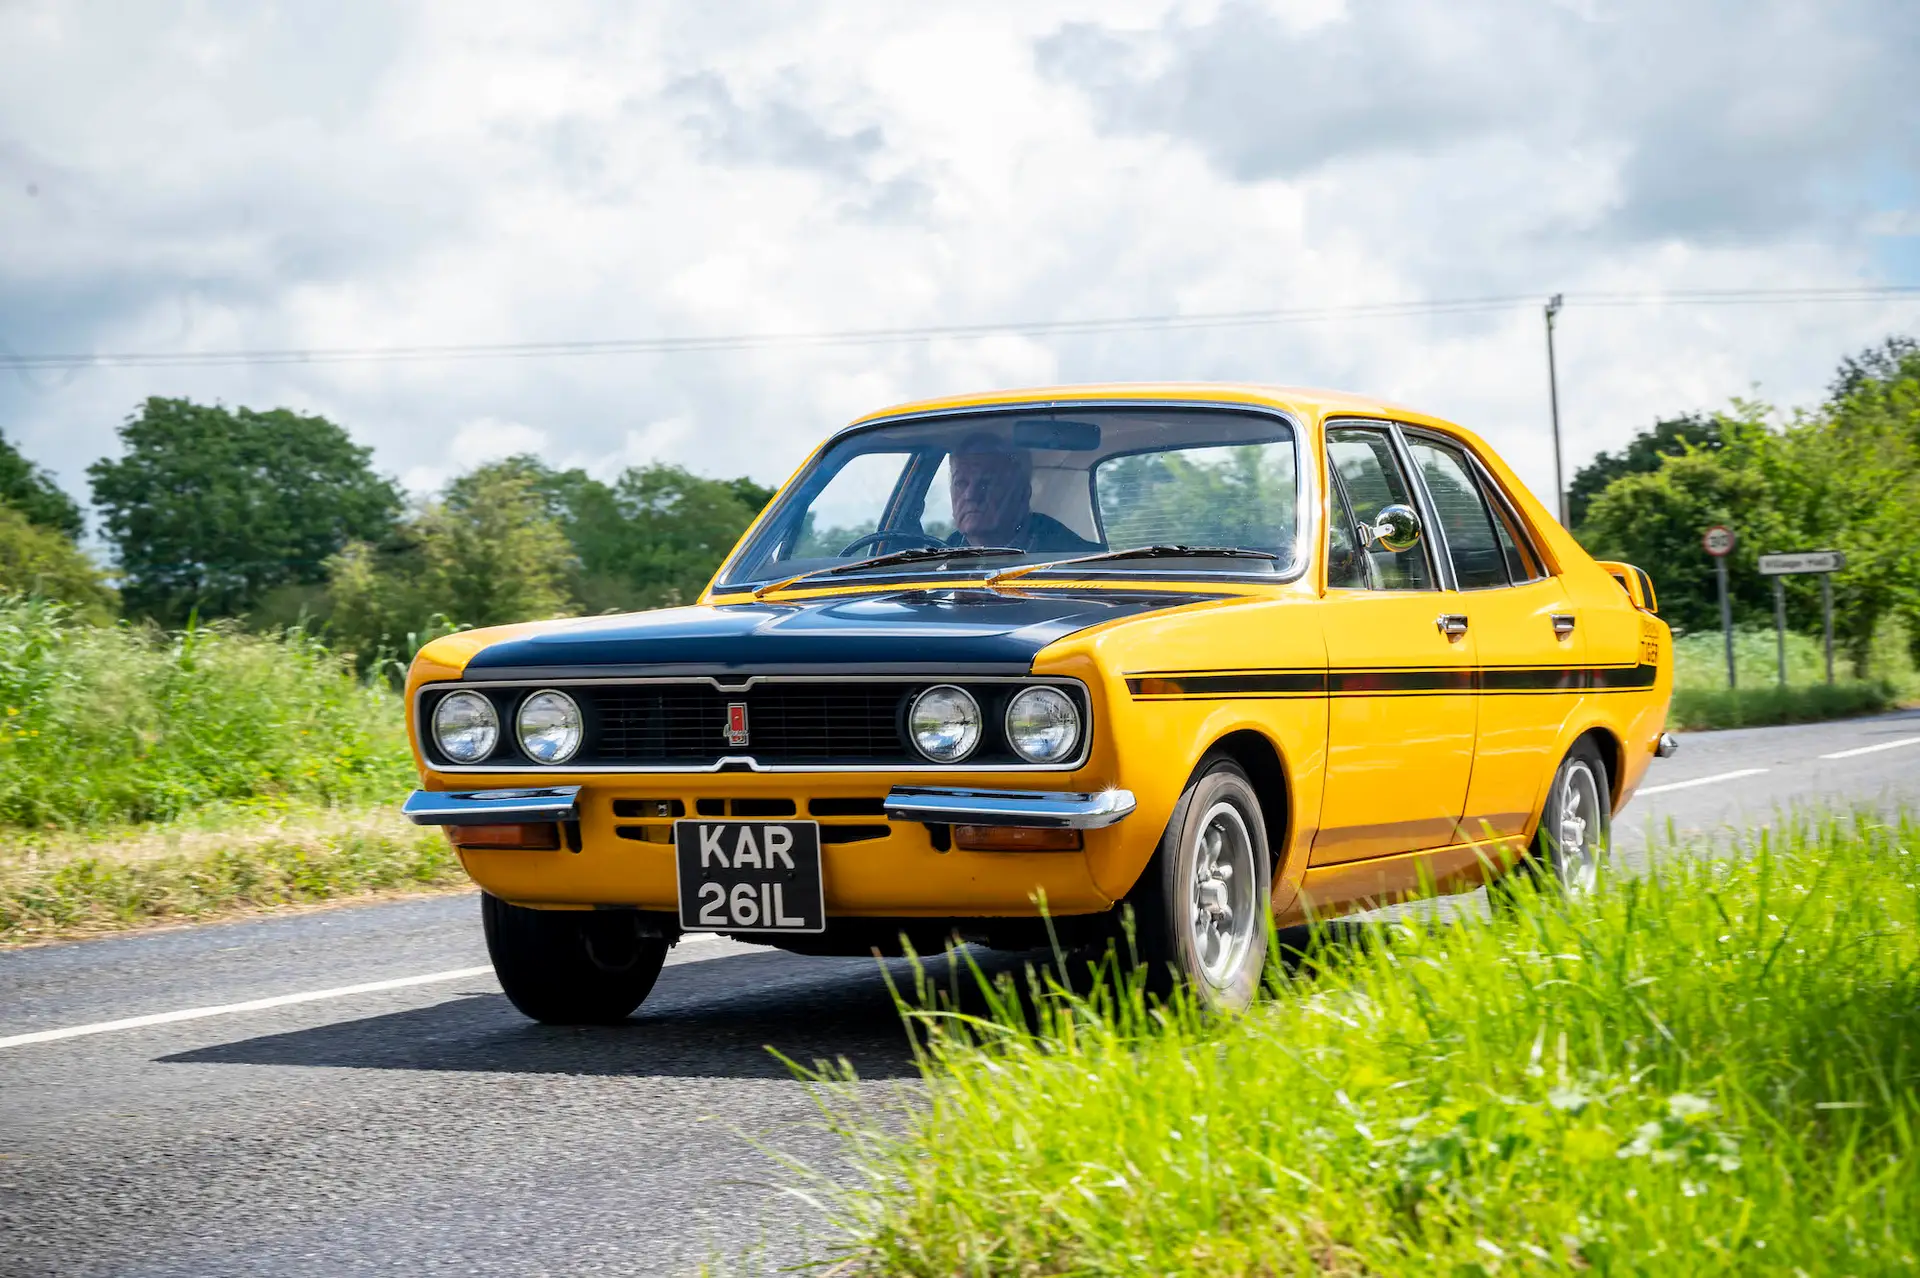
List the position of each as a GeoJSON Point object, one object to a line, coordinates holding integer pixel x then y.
{"type": "Point", "coordinates": [466, 727]}
{"type": "Point", "coordinates": [1043, 724]}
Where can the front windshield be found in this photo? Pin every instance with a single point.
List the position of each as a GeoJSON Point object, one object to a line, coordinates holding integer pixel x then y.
{"type": "Point", "coordinates": [1043, 486]}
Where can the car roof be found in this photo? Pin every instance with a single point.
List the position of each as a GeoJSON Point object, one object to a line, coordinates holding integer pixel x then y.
{"type": "Point", "coordinates": [1307, 403]}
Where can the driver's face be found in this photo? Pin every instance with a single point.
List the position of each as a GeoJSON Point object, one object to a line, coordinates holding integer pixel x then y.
{"type": "Point", "coordinates": [990, 492]}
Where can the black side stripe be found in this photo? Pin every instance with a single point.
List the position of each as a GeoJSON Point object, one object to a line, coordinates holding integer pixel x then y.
{"type": "Point", "coordinates": [1399, 681]}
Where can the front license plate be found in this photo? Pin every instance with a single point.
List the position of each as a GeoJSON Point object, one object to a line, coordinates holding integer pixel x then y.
{"type": "Point", "coordinates": [750, 876]}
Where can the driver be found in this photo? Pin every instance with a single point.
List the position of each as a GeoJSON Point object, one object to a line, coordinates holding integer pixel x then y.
{"type": "Point", "coordinates": [991, 487]}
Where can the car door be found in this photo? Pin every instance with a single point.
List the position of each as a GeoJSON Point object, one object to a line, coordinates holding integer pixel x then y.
{"type": "Point", "coordinates": [1528, 644]}
{"type": "Point", "coordinates": [1400, 710]}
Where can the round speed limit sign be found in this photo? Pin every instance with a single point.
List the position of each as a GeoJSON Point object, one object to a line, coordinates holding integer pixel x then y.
{"type": "Point", "coordinates": [1718, 541]}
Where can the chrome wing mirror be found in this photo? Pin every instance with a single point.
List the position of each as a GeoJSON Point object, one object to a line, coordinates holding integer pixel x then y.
{"type": "Point", "coordinates": [1398, 529]}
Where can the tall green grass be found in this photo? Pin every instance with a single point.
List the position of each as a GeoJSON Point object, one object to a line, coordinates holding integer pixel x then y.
{"type": "Point", "coordinates": [122, 723]}
{"type": "Point", "coordinates": [1701, 698]}
{"type": "Point", "coordinates": [1703, 708]}
{"type": "Point", "coordinates": [1712, 1069]}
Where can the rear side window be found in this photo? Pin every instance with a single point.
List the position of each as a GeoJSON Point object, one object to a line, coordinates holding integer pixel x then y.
{"type": "Point", "coordinates": [1522, 564]}
{"type": "Point", "coordinates": [1461, 507]}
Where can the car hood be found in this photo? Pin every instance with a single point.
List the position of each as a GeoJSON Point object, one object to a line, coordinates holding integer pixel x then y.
{"type": "Point", "coordinates": [953, 631]}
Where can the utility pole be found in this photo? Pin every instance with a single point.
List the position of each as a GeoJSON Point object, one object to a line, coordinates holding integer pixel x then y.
{"type": "Point", "coordinates": [1553, 397]}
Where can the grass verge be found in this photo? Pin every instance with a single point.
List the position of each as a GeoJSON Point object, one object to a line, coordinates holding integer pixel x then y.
{"type": "Point", "coordinates": [1702, 700]}
{"type": "Point", "coordinates": [56, 884]}
{"type": "Point", "coordinates": [123, 723]}
{"type": "Point", "coordinates": [1696, 708]}
{"type": "Point", "coordinates": [1714, 1069]}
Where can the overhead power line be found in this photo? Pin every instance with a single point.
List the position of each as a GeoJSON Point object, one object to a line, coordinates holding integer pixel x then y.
{"type": "Point", "coordinates": [925, 333]}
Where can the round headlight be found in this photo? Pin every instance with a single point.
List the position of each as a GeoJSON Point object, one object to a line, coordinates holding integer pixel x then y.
{"type": "Point", "coordinates": [465, 727]}
{"type": "Point", "coordinates": [1043, 725]}
{"type": "Point", "coordinates": [945, 723]}
{"type": "Point", "coordinates": [549, 726]}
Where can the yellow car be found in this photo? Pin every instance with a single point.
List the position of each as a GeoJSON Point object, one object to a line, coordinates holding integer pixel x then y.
{"type": "Point", "coordinates": [1014, 662]}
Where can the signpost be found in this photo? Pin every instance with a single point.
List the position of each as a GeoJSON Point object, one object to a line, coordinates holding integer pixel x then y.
{"type": "Point", "coordinates": [1824, 562]}
{"type": "Point", "coordinates": [1718, 541]}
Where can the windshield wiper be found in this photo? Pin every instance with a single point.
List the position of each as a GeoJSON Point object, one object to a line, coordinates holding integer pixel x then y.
{"type": "Point", "coordinates": [915, 554]}
{"type": "Point", "coordinates": [1159, 550]}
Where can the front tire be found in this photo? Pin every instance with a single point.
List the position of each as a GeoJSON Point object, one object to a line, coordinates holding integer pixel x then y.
{"type": "Point", "coordinates": [571, 967]}
{"type": "Point", "coordinates": [1202, 908]}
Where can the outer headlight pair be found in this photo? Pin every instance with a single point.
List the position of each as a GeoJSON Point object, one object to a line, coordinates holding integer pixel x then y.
{"type": "Point", "coordinates": [1042, 724]}
{"type": "Point", "coordinates": [466, 727]}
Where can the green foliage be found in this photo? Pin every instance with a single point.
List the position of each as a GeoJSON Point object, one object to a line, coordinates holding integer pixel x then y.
{"type": "Point", "coordinates": [1700, 659]}
{"type": "Point", "coordinates": [1670, 437]}
{"type": "Point", "coordinates": [1707, 1071]}
{"type": "Point", "coordinates": [1846, 477]}
{"type": "Point", "coordinates": [130, 723]}
{"type": "Point", "coordinates": [1701, 698]}
{"type": "Point", "coordinates": [31, 491]}
{"type": "Point", "coordinates": [488, 553]}
{"type": "Point", "coordinates": [653, 537]}
{"type": "Point", "coordinates": [1756, 705]}
{"type": "Point", "coordinates": [209, 508]}
{"type": "Point", "coordinates": [42, 562]}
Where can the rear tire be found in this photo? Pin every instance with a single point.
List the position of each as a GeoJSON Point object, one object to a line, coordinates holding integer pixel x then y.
{"type": "Point", "coordinates": [1202, 909]}
{"type": "Point", "coordinates": [1576, 826]}
{"type": "Point", "coordinates": [571, 967]}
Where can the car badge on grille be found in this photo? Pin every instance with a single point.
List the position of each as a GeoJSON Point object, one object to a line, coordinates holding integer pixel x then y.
{"type": "Point", "coordinates": [736, 723]}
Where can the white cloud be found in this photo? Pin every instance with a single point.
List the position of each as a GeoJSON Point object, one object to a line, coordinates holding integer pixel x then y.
{"type": "Point", "coordinates": [482, 440]}
{"type": "Point", "coordinates": [228, 176]}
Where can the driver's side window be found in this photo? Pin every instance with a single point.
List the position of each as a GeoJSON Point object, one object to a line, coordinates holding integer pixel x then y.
{"type": "Point", "coordinates": [1368, 474]}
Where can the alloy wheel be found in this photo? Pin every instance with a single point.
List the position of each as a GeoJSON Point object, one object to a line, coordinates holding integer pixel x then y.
{"type": "Point", "coordinates": [1581, 828]}
{"type": "Point", "coordinates": [1223, 913]}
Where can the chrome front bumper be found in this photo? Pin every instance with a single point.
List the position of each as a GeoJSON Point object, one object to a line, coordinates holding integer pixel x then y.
{"type": "Point", "coordinates": [1046, 809]}
{"type": "Point", "coordinates": [493, 807]}
{"type": "Point", "coordinates": [935, 805]}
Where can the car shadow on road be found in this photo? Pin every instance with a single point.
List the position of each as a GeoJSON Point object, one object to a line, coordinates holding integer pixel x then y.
{"type": "Point", "coordinates": [717, 1018]}
{"type": "Point", "coordinates": [721, 1018]}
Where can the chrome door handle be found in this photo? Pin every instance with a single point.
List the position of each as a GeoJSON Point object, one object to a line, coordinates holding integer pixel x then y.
{"type": "Point", "coordinates": [1562, 624]}
{"type": "Point", "coordinates": [1452, 624]}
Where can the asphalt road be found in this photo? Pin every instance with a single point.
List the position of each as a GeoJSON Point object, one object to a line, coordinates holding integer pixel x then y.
{"type": "Point", "coordinates": [425, 1128]}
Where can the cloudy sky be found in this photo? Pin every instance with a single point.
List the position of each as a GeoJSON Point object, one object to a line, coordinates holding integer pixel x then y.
{"type": "Point", "coordinates": [246, 176]}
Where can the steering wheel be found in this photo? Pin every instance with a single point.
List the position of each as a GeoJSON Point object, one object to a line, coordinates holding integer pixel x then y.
{"type": "Point", "coordinates": [890, 534]}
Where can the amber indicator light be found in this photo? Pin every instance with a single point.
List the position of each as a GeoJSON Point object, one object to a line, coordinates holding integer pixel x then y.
{"type": "Point", "coordinates": [1014, 838]}
{"type": "Point", "coordinates": [541, 837]}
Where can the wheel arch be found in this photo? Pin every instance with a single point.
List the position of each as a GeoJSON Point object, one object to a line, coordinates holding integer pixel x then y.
{"type": "Point", "coordinates": [1260, 759]}
{"type": "Point", "coordinates": [1612, 753]}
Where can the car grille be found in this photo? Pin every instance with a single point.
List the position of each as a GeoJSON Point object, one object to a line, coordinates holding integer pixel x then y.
{"type": "Point", "coordinates": [796, 723]}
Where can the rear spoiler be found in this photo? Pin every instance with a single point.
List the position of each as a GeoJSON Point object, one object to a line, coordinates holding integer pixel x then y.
{"type": "Point", "coordinates": [1636, 583]}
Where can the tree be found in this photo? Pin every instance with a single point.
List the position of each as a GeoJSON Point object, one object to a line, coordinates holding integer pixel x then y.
{"type": "Point", "coordinates": [650, 539]}
{"type": "Point", "coordinates": [1643, 454]}
{"type": "Point", "coordinates": [32, 492]}
{"type": "Point", "coordinates": [1653, 519]}
{"type": "Point", "coordinates": [210, 508]}
{"type": "Point", "coordinates": [673, 529]}
{"type": "Point", "coordinates": [488, 553]}
{"type": "Point", "coordinates": [1874, 411]}
{"type": "Point", "coordinates": [1891, 368]}
{"type": "Point", "coordinates": [41, 562]}
{"type": "Point", "coordinates": [1845, 476]}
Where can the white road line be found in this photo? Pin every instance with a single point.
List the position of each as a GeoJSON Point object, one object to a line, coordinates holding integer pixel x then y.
{"type": "Point", "coordinates": [277, 1000]}
{"type": "Point", "coordinates": [1688, 785]}
{"type": "Point", "coordinates": [251, 1005]}
{"type": "Point", "coordinates": [1873, 749]}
